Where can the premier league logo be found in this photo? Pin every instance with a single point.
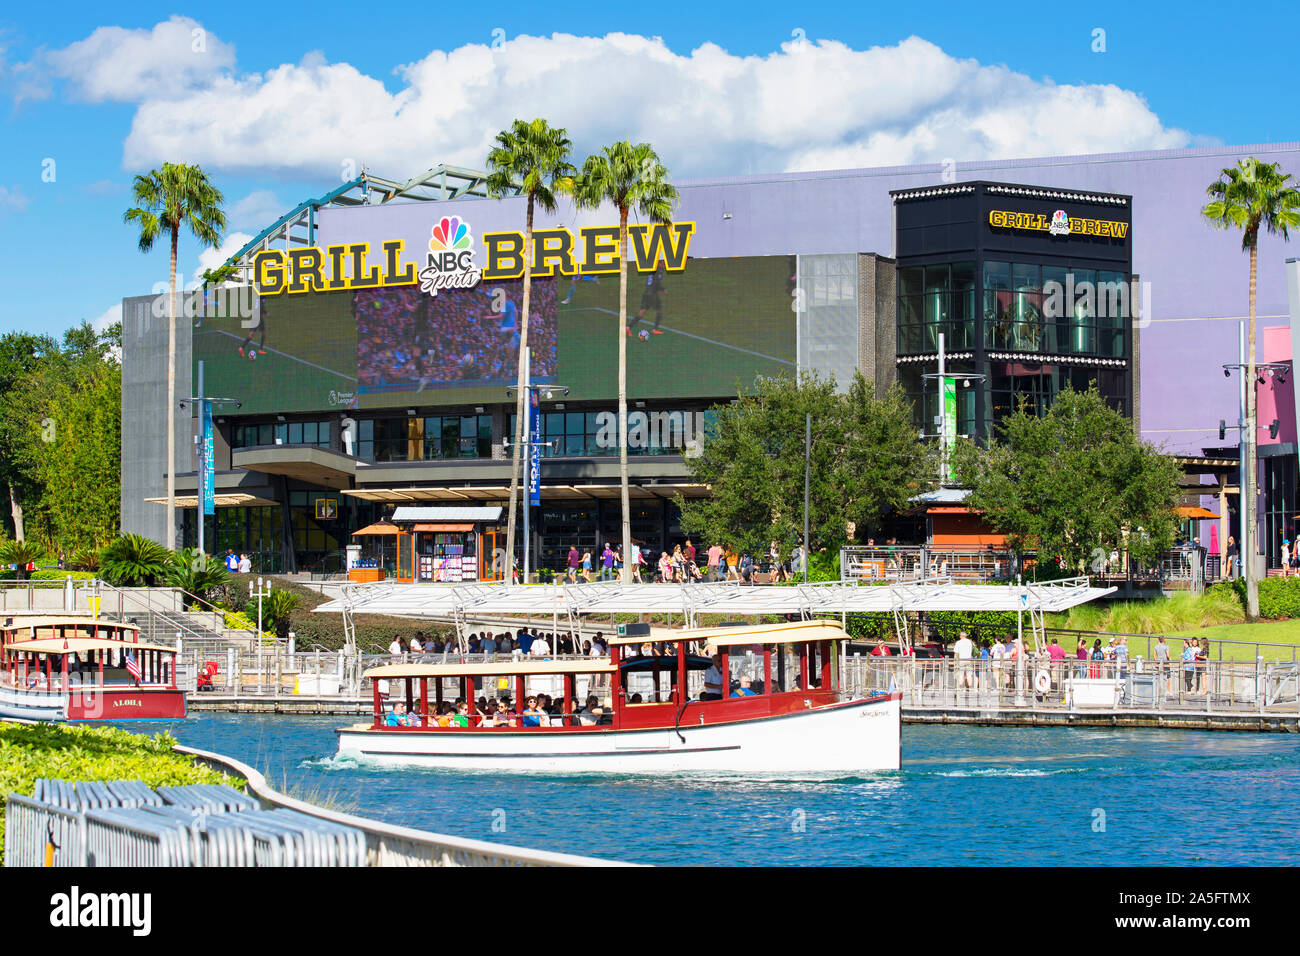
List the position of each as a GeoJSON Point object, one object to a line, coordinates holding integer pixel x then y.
{"type": "Point", "coordinates": [1060, 224]}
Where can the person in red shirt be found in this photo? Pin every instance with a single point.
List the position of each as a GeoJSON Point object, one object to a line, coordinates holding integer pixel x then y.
{"type": "Point", "coordinates": [880, 650]}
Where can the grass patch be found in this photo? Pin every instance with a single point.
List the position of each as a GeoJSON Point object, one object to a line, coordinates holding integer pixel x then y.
{"type": "Point", "coordinates": [69, 752]}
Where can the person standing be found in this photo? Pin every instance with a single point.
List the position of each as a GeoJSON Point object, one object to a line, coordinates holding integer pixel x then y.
{"type": "Point", "coordinates": [574, 560]}
{"type": "Point", "coordinates": [607, 563]}
{"type": "Point", "coordinates": [688, 551]}
{"type": "Point", "coordinates": [964, 650]}
{"type": "Point", "coordinates": [1162, 661]}
{"type": "Point", "coordinates": [245, 564]}
{"type": "Point", "coordinates": [232, 562]}
{"type": "Point", "coordinates": [1286, 556]}
{"type": "Point", "coordinates": [715, 558]}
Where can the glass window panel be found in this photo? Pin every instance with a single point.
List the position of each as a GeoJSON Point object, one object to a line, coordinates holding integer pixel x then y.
{"type": "Point", "coordinates": [553, 424]}
{"type": "Point", "coordinates": [367, 429]}
{"type": "Point", "coordinates": [322, 433]}
{"type": "Point", "coordinates": [997, 275]}
{"type": "Point", "coordinates": [936, 278]}
{"type": "Point", "coordinates": [468, 426]}
{"type": "Point", "coordinates": [909, 280]}
{"type": "Point", "coordinates": [574, 423]}
{"type": "Point", "coordinates": [309, 432]}
{"type": "Point", "coordinates": [265, 435]}
{"type": "Point", "coordinates": [295, 433]}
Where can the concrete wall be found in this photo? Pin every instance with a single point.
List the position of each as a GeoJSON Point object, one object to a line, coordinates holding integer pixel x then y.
{"type": "Point", "coordinates": [144, 416]}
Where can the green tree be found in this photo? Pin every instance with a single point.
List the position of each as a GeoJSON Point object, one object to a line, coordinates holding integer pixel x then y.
{"type": "Point", "coordinates": [20, 355]}
{"type": "Point", "coordinates": [629, 178]}
{"type": "Point", "coordinates": [865, 459]}
{"type": "Point", "coordinates": [1072, 482]}
{"type": "Point", "coordinates": [133, 560]}
{"type": "Point", "coordinates": [1250, 196]}
{"type": "Point", "coordinates": [196, 573]}
{"type": "Point", "coordinates": [533, 158]}
{"type": "Point", "coordinates": [20, 554]}
{"type": "Point", "coordinates": [176, 196]}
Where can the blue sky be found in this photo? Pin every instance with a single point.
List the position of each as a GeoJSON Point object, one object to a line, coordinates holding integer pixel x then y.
{"type": "Point", "coordinates": [273, 101]}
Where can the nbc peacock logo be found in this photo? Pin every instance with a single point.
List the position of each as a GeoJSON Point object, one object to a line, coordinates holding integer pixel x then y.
{"type": "Point", "coordinates": [451, 257]}
{"type": "Point", "coordinates": [1060, 225]}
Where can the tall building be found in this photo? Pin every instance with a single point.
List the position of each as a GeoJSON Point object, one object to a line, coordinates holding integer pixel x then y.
{"type": "Point", "coordinates": [360, 389]}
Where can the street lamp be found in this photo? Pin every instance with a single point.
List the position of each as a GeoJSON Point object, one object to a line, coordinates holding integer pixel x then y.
{"type": "Point", "coordinates": [259, 594]}
{"type": "Point", "coordinates": [533, 469]}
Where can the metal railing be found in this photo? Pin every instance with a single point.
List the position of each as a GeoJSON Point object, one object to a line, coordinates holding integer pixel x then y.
{"type": "Point", "coordinates": [1222, 687]}
{"type": "Point", "coordinates": [918, 563]}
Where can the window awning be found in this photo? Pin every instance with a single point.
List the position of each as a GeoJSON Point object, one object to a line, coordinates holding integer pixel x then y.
{"type": "Point", "coordinates": [426, 526]}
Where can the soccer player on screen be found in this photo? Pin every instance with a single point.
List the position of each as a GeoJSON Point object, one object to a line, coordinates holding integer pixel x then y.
{"type": "Point", "coordinates": [650, 299]}
{"type": "Point", "coordinates": [573, 285]}
{"type": "Point", "coordinates": [246, 349]}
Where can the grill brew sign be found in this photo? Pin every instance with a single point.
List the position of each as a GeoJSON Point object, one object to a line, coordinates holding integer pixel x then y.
{"type": "Point", "coordinates": [1057, 224]}
{"type": "Point", "coordinates": [450, 260]}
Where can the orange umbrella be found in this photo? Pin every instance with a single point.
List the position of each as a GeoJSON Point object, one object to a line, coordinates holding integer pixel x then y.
{"type": "Point", "coordinates": [1189, 511]}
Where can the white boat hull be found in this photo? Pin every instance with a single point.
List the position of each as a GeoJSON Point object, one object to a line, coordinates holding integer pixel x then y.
{"type": "Point", "coordinates": [32, 705]}
{"type": "Point", "coordinates": [853, 737]}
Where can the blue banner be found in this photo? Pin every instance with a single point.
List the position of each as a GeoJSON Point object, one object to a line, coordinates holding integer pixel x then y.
{"type": "Point", "coordinates": [208, 460]}
{"type": "Point", "coordinates": [534, 450]}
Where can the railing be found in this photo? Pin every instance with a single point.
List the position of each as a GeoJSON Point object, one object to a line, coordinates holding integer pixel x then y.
{"type": "Point", "coordinates": [1223, 687]}
{"type": "Point", "coordinates": [916, 563]}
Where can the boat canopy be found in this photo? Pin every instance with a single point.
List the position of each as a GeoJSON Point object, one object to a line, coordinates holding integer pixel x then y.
{"type": "Point", "coordinates": [80, 645]}
{"type": "Point", "coordinates": [505, 668]}
{"type": "Point", "coordinates": [793, 632]}
{"type": "Point", "coordinates": [17, 623]}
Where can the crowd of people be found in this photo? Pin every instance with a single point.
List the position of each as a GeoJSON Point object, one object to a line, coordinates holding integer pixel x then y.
{"type": "Point", "coordinates": [410, 339]}
{"type": "Point", "coordinates": [538, 710]}
{"type": "Point", "coordinates": [524, 641]}
{"type": "Point", "coordinates": [238, 564]}
{"type": "Point", "coordinates": [683, 565]}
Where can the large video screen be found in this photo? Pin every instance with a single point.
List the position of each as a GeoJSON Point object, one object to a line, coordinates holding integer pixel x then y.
{"type": "Point", "coordinates": [704, 331]}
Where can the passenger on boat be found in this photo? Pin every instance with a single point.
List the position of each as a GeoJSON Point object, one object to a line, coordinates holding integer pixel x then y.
{"type": "Point", "coordinates": [489, 643]}
{"type": "Point", "coordinates": [636, 699]}
{"type": "Point", "coordinates": [397, 716]}
{"type": "Point", "coordinates": [713, 680]}
{"type": "Point", "coordinates": [473, 644]}
{"type": "Point", "coordinates": [533, 715]}
{"type": "Point", "coordinates": [417, 646]}
{"type": "Point", "coordinates": [445, 713]}
{"type": "Point", "coordinates": [524, 641]}
{"type": "Point", "coordinates": [541, 647]}
{"type": "Point", "coordinates": [744, 690]}
{"type": "Point", "coordinates": [462, 715]}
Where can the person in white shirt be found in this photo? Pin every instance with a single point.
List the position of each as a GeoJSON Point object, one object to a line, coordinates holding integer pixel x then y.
{"type": "Point", "coordinates": [964, 649]}
{"type": "Point", "coordinates": [245, 565]}
{"type": "Point", "coordinates": [540, 647]}
{"type": "Point", "coordinates": [713, 680]}
{"type": "Point", "coordinates": [395, 648]}
{"type": "Point", "coordinates": [416, 646]}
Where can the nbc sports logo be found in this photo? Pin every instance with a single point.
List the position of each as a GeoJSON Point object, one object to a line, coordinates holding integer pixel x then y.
{"type": "Point", "coordinates": [451, 257]}
{"type": "Point", "coordinates": [1060, 224]}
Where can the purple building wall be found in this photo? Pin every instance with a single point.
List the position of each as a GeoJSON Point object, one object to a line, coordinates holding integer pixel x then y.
{"type": "Point", "coordinates": [1198, 276]}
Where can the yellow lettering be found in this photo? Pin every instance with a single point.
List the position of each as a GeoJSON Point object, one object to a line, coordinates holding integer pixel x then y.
{"type": "Point", "coordinates": [268, 271]}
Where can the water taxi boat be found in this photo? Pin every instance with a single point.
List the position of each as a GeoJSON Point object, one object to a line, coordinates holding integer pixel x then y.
{"type": "Point", "coordinates": [791, 718]}
{"type": "Point", "coordinates": [67, 668]}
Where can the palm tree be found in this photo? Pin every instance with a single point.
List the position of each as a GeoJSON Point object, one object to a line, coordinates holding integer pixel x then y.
{"type": "Point", "coordinates": [166, 199]}
{"type": "Point", "coordinates": [628, 177]}
{"type": "Point", "coordinates": [21, 553]}
{"type": "Point", "coordinates": [196, 573]}
{"type": "Point", "coordinates": [533, 158]}
{"type": "Point", "coordinates": [1250, 195]}
{"type": "Point", "coordinates": [133, 561]}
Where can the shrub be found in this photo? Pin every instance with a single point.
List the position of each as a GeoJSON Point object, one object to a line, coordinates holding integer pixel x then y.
{"type": "Point", "coordinates": [63, 752]}
{"type": "Point", "coordinates": [54, 574]}
{"type": "Point", "coordinates": [133, 561]}
{"type": "Point", "coordinates": [1279, 598]}
{"type": "Point", "coordinates": [196, 573]}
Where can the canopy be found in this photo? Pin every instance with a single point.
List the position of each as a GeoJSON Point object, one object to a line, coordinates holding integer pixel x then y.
{"type": "Point", "coordinates": [442, 526]}
{"type": "Point", "coordinates": [506, 668]}
{"type": "Point", "coordinates": [1191, 511]}
{"type": "Point", "coordinates": [379, 527]}
{"type": "Point", "coordinates": [79, 645]}
{"type": "Point", "coordinates": [65, 620]}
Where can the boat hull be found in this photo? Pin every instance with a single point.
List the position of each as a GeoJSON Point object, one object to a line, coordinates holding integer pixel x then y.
{"type": "Point", "coordinates": [852, 737]}
{"type": "Point", "coordinates": [108, 703]}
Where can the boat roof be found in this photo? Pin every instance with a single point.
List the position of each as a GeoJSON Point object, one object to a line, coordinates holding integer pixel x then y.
{"type": "Point", "coordinates": [590, 665]}
{"type": "Point", "coordinates": [16, 622]}
{"type": "Point", "coordinates": [79, 645]}
{"type": "Point", "coordinates": [790, 632]}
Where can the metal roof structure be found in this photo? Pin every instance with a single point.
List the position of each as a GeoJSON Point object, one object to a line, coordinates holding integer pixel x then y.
{"type": "Point", "coordinates": [297, 227]}
{"type": "Point", "coordinates": [464, 601]}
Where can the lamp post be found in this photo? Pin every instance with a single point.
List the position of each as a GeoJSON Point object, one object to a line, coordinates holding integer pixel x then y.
{"type": "Point", "coordinates": [1246, 458]}
{"type": "Point", "coordinates": [206, 465]}
{"type": "Point", "coordinates": [259, 594]}
{"type": "Point", "coordinates": [532, 469]}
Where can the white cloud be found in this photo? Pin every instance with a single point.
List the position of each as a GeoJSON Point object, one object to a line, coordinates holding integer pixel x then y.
{"type": "Point", "coordinates": [110, 315]}
{"type": "Point", "coordinates": [212, 258]}
{"type": "Point", "coordinates": [132, 66]}
{"type": "Point", "coordinates": [13, 199]}
{"type": "Point", "coordinates": [257, 210]}
{"type": "Point", "coordinates": [807, 105]}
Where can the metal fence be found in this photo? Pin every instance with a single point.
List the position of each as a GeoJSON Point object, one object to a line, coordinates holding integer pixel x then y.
{"type": "Point", "coordinates": [1230, 687]}
{"type": "Point", "coordinates": [916, 563]}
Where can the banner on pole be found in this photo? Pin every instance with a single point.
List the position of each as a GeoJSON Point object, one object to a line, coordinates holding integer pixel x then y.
{"type": "Point", "coordinates": [535, 449]}
{"type": "Point", "coordinates": [949, 436]}
{"type": "Point", "coordinates": [208, 462]}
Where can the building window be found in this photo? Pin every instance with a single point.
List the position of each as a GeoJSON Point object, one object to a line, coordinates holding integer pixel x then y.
{"type": "Point", "coordinates": [431, 438]}
{"type": "Point", "coordinates": [315, 434]}
{"type": "Point", "coordinates": [933, 300]}
{"type": "Point", "coordinates": [1058, 310]}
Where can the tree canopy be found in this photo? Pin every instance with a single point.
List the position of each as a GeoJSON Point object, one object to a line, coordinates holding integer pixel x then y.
{"type": "Point", "coordinates": [1071, 482]}
{"type": "Point", "coordinates": [866, 458]}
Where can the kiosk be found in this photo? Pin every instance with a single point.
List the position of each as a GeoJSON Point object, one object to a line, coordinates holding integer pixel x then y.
{"type": "Point", "coordinates": [440, 545]}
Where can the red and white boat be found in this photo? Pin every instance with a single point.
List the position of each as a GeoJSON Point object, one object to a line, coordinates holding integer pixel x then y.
{"type": "Point", "coordinates": [792, 718]}
{"type": "Point", "coordinates": [65, 668]}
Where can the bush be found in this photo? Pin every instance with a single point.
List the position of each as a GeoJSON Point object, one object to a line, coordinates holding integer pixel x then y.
{"type": "Point", "coordinates": [54, 574]}
{"type": "Point", "coordinates": [1279, 598]}
{"type": "Point", "coordinates": [980, 624]}
{"type": "Point", "coordinates": [63, 752]}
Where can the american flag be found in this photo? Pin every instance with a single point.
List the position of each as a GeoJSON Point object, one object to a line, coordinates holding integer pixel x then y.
{"type": "Point", "coordinates": [133, 666]}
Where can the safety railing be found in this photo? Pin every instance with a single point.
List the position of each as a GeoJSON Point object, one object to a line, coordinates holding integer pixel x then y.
{"type": "Point", "coordinates": [915, 563]}
{"type": "Point", "coordinates": [1233, 687]}
{"type": "Point", "coordinates": [42, 834]}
